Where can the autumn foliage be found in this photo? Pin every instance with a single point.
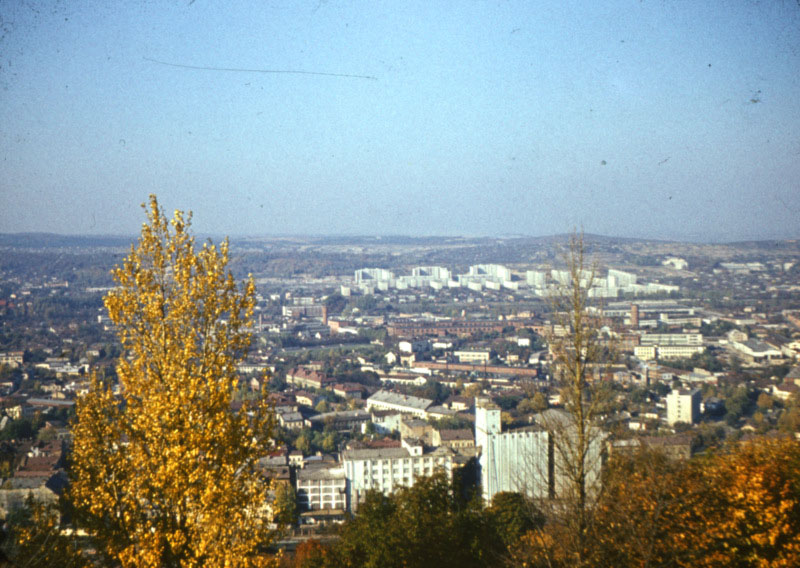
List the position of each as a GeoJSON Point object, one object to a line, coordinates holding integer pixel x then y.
{"type": "Point", "coordinates": [738, 507]}
{"type": "Point", "coordinates": [163, 471]}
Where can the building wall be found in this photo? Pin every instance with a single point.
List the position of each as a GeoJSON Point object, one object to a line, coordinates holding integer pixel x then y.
{"type": "Point", "coordinates": [511, 461]}
{"type": "Point", "coordinates": [529, 461]}
{"type": "Point", "coordinates": [387, 470]}
{"type": "Point", "coordinates": [683, 406]}
{"type": "Point", "coordinates": [481, 356]}
{"type": "Point", "coordinates": [324, 491]}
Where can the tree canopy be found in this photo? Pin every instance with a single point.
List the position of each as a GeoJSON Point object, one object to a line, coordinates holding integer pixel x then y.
{"type": "Point", "coordinates": [429, 524]}
{"type": "Point", "coordinates": [164, 473]}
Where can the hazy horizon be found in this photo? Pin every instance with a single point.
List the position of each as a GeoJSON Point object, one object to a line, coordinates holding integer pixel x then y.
{"type": "Point", "coordinates": [389, 237]}
{"type": "Point", "coordinates": [650, 120]}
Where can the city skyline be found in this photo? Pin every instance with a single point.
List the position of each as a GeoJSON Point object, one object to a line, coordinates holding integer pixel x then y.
{"type": "Point", "coordinates": [646, 120]}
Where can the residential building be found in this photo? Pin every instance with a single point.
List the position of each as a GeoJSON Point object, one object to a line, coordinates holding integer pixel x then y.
{"type": "Point", "coordinates": [473, 355]}
{"type": "Point", "coordinates": [455, 439]}
{"type": "Point", "coordinates": [387, 400]}
{"type": "Point", "coordinates": [683, 405]}
{"type": "Point", "coordinates": [340, 421]}
{"type": "Point", "coordinates": [388, 469]}
{"type": "Point", "coordinates": [322, 486]}
{"type": "Point", "coordinates": [304, 377]}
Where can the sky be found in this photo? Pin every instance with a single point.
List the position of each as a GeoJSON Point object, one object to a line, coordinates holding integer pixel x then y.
{"type": "Point", "coordinates": [631, 118]}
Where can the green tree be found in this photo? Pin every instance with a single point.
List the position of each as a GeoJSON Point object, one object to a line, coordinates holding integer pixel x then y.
{"type": "Point", "coordinates": [513, 515]}
{"type": "Point", "coordinates": [303, 443]}
{"type": "Point", "coordinates": [285, 505]}
{"type": "Point", "coordinates": [737, 405]}
{"type": "Point", "coordinates": [166, 474]}
{"type": "Point", "coordinates": [424, 525]}
{"type": "Point", "coordinates": [765, 402]}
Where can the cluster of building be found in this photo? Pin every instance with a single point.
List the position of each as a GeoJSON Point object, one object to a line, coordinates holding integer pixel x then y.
{"type": "Point", "coordinates": [525, 459]}
{"type": "Point", "coordinates": [498, 277]}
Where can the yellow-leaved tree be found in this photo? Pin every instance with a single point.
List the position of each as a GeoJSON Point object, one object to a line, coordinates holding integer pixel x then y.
{"type": "Point", "coordinates": [164, 471]}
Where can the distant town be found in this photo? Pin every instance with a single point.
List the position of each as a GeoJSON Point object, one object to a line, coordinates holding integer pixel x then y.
{"type": "Point", "coordinates": [388, 359]}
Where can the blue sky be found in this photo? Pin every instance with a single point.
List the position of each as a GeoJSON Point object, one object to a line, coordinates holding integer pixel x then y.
{"type": "Point", "coordinates": [651, 118]}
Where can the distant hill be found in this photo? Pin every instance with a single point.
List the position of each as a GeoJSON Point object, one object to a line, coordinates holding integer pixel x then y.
{"type": "Point", "coordinates": [50, 240]}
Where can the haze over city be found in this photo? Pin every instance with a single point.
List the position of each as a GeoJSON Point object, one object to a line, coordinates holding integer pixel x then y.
{"type": "Point", "coordinates": [652, 119]}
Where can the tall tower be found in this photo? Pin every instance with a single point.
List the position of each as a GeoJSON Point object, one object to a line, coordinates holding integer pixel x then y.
{"type": "Point", "coordinates": [487, 429]}
{"type": "Point", "coordinates": [487, 418]}
{"type": "Point", "coordinates": [635, 316]}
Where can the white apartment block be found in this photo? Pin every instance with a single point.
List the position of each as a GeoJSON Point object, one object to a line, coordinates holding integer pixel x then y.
{"type": "Point", "coordinates": [388, 469]}
{"type": "Point", "coordinates": [677, 339]}
{"type": "Point", "coordinates": [438, 273]}
{"type": "Point", "coordinates": [497, 272]}
{"type": "Point", "coordinates": [683, 406]}
{"type": "Point", "coordinates": [535, 279]}
{"type": "Point", "coordinates": [373, 276]}
{"type": "Point", "coordinates": [322, 487]}
{"type": "Point", "coordinates": [620, 278]}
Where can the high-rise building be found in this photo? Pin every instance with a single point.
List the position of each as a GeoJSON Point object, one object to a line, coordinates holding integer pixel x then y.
{"type": "Point", "coordinates": [683, 405]}
{"type": "Point", "coordinates": [511, 461]}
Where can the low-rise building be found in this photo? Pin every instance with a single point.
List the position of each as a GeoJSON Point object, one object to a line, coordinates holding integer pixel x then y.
{"type": "Point", "coordinates": [304, 377]}
{"type": "Point", "coordinates": [387, 400]}
{"type": "Point", "coordinates": [340, 421]}
{"type": "Point", "coordinates": [473, 355]}
{"type": "Point", "coordinates": [454, 439]}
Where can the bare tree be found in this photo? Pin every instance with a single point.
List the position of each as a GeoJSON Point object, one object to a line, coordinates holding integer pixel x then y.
{"type": "Point", "coordinates": [581, 355]}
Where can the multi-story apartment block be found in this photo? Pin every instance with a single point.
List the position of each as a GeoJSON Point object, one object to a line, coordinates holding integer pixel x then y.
{"type": "Point", "coordinates": [321, 487]}
{"type": "Point", "coordinates": [683, 406]}
{"type": "Point", "coordinates": [388, 469]}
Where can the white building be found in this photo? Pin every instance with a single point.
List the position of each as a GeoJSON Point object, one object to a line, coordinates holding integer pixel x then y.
{"type": "Point", "coordinates": [535, 279]}
{"type": "Point", "coordinates": [676, 262]}
{"type": "Point", "coordinates": [533, 460]}
{"type": "Point", "coordinates": [388, 469]}
{"type": "Point", "coordinates": [322, 487]}
{"type": "Point", "coordinates": [387, 400]}
{"type": "Point", "coordinates": [620, 278]}
{"type": "Point", "coordinates": [511, 461]}
{"type": "Point", "coordinates": [755, 351]}
{"type": "Point", "coordinates": [473, 355]}
{"type": "Point", "coordinates": [373, 276]}
{"type": "Point", "coordinates": [683, 406]}
{"type": "Point", "coordinates": [437, 273]}
{"type": "Point", "coordinates": [669, 346]}
{"type": "Point", "coordinates": [496, 272]}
